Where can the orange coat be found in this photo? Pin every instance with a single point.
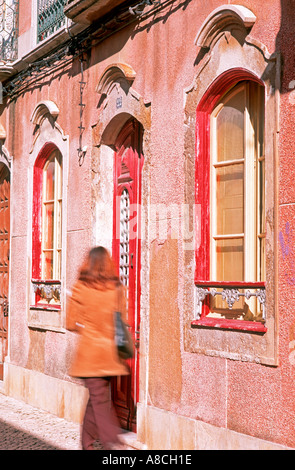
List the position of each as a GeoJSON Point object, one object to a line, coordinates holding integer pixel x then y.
{"type": "Point", "coordinates": [91, 313]}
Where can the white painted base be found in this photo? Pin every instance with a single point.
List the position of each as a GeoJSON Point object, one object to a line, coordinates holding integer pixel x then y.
{"type": "Point", "coordinates": [59, 397]}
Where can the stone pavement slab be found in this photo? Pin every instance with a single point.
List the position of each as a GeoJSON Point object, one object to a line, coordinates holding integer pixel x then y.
{"type": "Point", "coordinates": [23, 427]}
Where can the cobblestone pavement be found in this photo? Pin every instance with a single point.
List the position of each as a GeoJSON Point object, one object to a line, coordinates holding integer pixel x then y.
{"type": "Point", "coordinates": [23, 427]}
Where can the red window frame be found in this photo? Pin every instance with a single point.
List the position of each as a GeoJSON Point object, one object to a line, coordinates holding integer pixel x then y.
{"type": "Point", "coordinates": [40, 162]}
{"type": "Point", "coordinates": [207, 104]}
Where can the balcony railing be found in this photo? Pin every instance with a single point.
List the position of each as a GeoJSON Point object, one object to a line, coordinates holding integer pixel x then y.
{"type": "Point", "coordinates": [47, 292]}
{"type": "Point", "coordinates": [51, 17]}
{"type": "Point", "coordinates": [224, 304]}
{"type": "Point", "coordinates": [8, 30]}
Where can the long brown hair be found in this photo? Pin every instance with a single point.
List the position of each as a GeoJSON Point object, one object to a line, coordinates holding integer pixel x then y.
{"type": "Point", "coordinates": [98, 269]}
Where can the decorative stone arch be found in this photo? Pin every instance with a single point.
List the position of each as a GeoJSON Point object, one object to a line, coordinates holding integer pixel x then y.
{"type": "Point", "coordinates": [47, 134]}
{"type": "Point", "coordinates": [2, 134]}
{"type": "Point", "coordinates": [47, 130]}
{"type": "Point", "coordinates": [227, 55]}
{"type": "Point", "coordinates": [224, 19]}
{"type": "Point", "coordinates": [115, 74]}
{"type": "Point", "coordinates": [43, 109]}
{"type": "Point", "coordinates": [45, 115]}
{"type": "Point", "coordinates": [118, 102]}
{"type": "Point", "coordinates": [119, 105]}
{"type": "Point", "coordinates": [5, 158]}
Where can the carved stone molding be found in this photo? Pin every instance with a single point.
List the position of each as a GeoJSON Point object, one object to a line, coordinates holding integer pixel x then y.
{"type": "Point", "coordinates": [118, 102]}
{"type": "Point", "coordinates": [115, 73]}
{"type": "Point", "coordinates": [2, 134]}
{"type": "Point", "coordinates": [46, 110]}
{"type": "Point", "coordinates": [227, 50]}
{"type": "Point", "coordinates": [223, 19]}
{"type": "Point", "coordinates": [42, 109]}
{"type": "Point", "coordinates": [5, 157]}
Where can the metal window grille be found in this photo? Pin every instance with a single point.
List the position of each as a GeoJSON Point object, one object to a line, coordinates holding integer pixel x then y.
{"type": "Point", "coordinates": [124, 238]}
{"type": "Point", "coordinates": [230, 295]}
{"type": "Point", "coordinates": [8, 30]}
{"type": "Point", "coordinates": [51, 17]}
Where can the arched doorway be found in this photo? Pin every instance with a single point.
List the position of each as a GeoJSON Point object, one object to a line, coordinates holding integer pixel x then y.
{"type": "Point", "coordinates": [128, 162]}
{"type": "Point", "coordinates": [124, 118]}
{"type": "Point", "coordinates": [4, 262]}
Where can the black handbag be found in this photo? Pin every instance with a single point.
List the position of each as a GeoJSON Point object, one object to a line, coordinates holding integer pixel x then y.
{"type": "Point", "coordinates": [123, 338]}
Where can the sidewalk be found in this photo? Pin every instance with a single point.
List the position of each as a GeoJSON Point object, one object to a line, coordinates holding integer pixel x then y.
{"type": "Point", "coordinates": [23, 427]}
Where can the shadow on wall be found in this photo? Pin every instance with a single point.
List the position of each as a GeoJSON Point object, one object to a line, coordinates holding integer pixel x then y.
{"type": "Point", "coordinates": [115, 43]}
{"type": "Point", "coordinates": [285, 40]}
{"type": "Point", "coordinates": [167, 9]}
{"type": "Point", "coordinates": [285, 44]}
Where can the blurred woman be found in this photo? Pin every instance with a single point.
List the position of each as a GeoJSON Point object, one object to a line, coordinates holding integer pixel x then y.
{"type": "Point", "coordinates": [95, 297]}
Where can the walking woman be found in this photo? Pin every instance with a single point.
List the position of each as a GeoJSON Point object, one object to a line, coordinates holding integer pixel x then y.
{"type": "Point", "coordinates": [96, 296]}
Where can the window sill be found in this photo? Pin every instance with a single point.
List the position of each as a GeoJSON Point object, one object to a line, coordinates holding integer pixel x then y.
{"type": "Point", "coordinates": [48, 307]}
{"type": "Point", "coordinates": [45, 312]}
{"type": "Point", "coordinates": [43, 317]}
{"type": "Point", "coordinates": [238, 325]}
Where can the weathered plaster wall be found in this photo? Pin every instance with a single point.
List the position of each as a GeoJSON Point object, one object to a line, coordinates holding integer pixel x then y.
{"type": "Point", "coordinates": [246, 397]}
{"type": "Point", "coordinates": [219, 391]}
{"type": "Point", "coordinates": [25, 20]}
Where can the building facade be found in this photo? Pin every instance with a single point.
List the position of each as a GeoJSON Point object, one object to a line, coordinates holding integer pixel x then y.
{"type": "Point", "coordinates": [162, 130]}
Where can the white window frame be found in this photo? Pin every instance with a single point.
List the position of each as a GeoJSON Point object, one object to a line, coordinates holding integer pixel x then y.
{"type": "Point", "coordinates": [57, 229]}
{"type": "Point", "coordinates": [252, 201]}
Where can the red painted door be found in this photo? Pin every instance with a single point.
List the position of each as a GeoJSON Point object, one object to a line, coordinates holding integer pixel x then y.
{"type": "Point", "coordinates": [128, 161]}
{"type": "Point", "coordinates": [4, 262]}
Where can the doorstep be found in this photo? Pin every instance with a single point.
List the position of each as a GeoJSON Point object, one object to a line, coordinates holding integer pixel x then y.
{"type": "Point", "coordinates": [130, 440]}
{"type": "Point", "coordinates": [2, 387]}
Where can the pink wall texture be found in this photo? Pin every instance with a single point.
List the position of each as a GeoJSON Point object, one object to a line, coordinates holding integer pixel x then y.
{"type": "Point", "coordinates": [240, 393]}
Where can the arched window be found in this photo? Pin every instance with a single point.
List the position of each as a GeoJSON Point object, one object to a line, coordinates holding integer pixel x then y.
{"type": "Point", "coordinates": [230, 186]}
{"type": "Point", "coordinates": [237, 186]}
{"type": "Point", "coordinates": [47, 226]}
{"type": "Point", "coordinates": [51, 217]}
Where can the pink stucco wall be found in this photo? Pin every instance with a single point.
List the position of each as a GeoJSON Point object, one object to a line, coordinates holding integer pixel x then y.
{"type": "Point", "coordinates": [246, 397]}
{"type": "Point", "coordinates": [24, 24]}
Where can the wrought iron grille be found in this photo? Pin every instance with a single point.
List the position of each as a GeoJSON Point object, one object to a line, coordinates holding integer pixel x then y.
{"type": "Point", "coordinates": [48, 291]}
{"type": "Point", "coordinates": [8, 30]}
{"type": "Point", "coordinates": [51, 17]}
{"type": "Point", "coordinates": [230, 295]}
{"type": "Point", "coordinates": [124, 238]}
